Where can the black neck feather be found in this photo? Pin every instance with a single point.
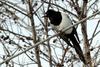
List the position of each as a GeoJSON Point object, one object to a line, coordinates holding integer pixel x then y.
{"type": "Point", "coordinates": [56, 18]}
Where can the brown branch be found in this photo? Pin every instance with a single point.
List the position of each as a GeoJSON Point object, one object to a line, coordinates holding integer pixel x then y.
{"type": "Point", "coordinates": [49, 49]}
{"type": "Point", "coordinates": [34, 32]}
{"type": "Point", "coordinates": [85, 36]}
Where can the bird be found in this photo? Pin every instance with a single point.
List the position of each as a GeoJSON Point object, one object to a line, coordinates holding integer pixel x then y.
{"type": "Point", "coordinates": [60, 21]}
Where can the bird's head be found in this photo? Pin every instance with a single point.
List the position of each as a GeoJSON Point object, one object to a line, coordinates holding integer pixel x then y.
{"type": "Point", "coordinates": [54, 16]}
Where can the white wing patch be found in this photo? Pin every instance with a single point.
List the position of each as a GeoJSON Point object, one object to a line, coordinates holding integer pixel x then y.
{"type": "Point", "coordinates": [66, 22]}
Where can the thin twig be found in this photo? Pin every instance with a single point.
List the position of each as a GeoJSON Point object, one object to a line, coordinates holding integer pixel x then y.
{"type": "Point", "coordinates": [94, 31]}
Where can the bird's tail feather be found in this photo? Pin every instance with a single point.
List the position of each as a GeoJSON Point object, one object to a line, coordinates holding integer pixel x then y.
{"type": "Point", "coordinates": [77, 48]}
{"type": "Point", "coordinates": [75, 45]}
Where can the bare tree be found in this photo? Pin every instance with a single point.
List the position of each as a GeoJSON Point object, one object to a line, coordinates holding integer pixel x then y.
{"type": "Point", "coordinates": [27, 39]}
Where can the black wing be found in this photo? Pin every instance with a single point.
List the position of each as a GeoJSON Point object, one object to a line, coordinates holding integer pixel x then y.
{"type": "Point", "coordinates": [73, 37]}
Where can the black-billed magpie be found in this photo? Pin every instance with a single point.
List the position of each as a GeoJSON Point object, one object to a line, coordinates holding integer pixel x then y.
{"type": "Point", "coordinates": [60, 21]}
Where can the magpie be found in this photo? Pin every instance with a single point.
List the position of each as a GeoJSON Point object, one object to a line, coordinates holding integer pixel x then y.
{"type": "Point", "coordinates": [60, 21]}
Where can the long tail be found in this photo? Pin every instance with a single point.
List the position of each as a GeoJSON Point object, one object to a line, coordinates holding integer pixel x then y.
{"type": "Point", "coordinates": [73, 37]}
{"type": "Point", "coordinates": [77, 48]}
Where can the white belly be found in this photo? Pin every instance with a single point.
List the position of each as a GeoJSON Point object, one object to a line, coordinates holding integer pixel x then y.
{"type": "Point", "coordinates": [65, 23]}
